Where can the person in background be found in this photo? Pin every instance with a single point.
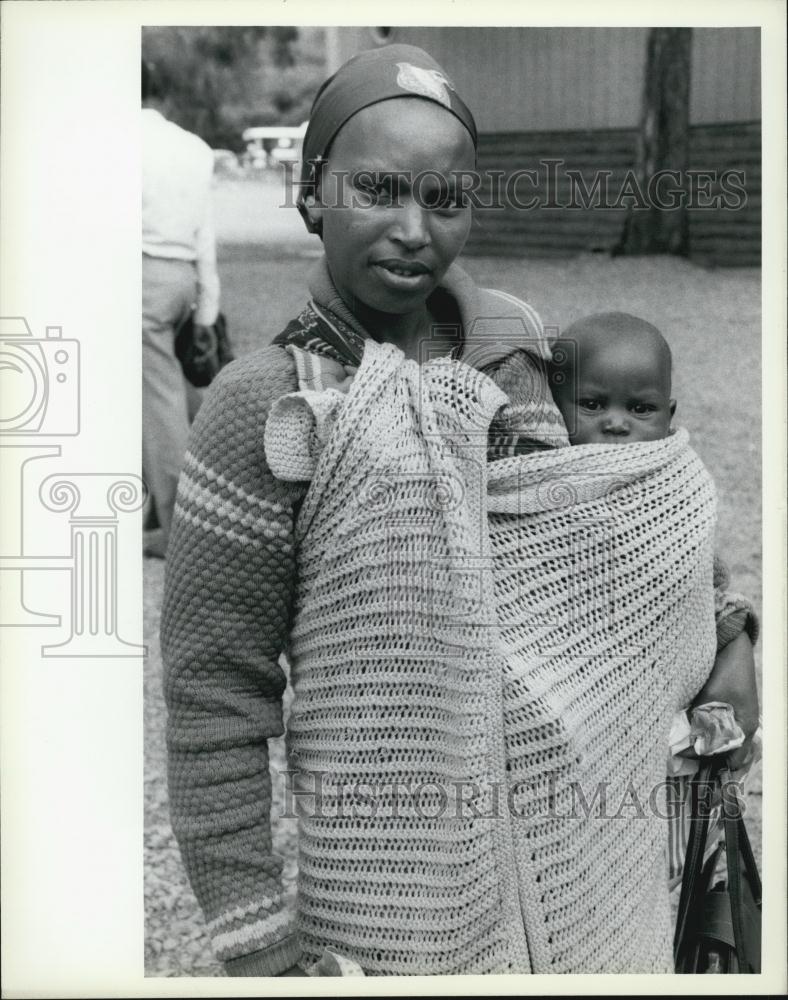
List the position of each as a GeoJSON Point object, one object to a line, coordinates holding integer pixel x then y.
{"type": "Point", "coordinates": [178, 275]}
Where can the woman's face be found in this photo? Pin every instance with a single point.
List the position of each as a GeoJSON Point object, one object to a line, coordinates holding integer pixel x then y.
{"type": "Point", "coordinates": [388, 201]}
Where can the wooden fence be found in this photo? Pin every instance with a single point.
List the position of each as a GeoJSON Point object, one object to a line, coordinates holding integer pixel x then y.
{"type": "Point", "coordinates": [579, 180]}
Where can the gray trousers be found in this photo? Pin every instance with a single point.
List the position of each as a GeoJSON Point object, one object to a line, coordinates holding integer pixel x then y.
{"type": "Point", "coordinates": [169, 289]}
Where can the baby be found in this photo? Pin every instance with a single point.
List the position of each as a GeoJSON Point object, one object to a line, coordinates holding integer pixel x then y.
{"type": "Point", "coordinates": [611, 380]}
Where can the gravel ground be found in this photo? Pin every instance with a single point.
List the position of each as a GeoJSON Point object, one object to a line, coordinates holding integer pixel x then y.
{"type": "Point", "coordinates": [712, 321]}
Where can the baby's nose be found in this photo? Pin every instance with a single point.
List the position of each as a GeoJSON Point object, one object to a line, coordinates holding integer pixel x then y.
{"type": "Point", "coordinates": [616, 423]}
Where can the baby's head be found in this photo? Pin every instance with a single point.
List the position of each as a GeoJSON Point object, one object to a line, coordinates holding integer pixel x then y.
{"type": "Point", "coordinates": [611, 380]}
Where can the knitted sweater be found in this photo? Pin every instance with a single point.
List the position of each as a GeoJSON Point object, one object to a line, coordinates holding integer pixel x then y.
{"type": "Point", "coordinates": [226, 619]}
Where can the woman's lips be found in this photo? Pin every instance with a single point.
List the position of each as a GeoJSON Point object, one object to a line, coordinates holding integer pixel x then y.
{"type": "Point", "coordinates": [409, 275]}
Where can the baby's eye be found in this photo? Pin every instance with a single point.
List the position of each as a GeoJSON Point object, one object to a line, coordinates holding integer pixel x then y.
{"type": "Point", "coordinates": [641, 409]}
{"type": "Point", "coordinates": [590, 404]}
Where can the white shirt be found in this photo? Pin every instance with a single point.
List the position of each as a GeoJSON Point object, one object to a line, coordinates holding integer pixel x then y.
{"type": "Point", "coordinates": [177, 216]}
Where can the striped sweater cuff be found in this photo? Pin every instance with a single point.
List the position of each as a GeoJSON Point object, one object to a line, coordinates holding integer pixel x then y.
{"type": "Point", "coordinates": [272, 961]}
{"type": "Point", "coordinates": [739, 616]}
{"type": "Point", "coordinates": [251, 927]}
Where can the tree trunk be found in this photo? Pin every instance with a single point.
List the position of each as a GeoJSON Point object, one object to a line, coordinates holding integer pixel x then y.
{"type": "Point", "coordinates": [663, 144]}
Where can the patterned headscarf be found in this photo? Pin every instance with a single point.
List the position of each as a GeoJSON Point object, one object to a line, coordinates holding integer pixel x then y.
{"type": "Point", "coordinates": [369, 78]}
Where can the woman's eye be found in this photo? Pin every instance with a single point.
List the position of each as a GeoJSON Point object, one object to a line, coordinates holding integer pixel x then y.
{"type": "Point", "coordinates": [442, 199]}
{"type": "Point", "coordinates": [454, 204]}
{"type": "Point", "coordinates": [377, 193]}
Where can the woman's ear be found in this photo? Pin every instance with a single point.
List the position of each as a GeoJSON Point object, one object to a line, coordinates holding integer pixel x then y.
{"type": "Point", "coordinates": [313, 210]}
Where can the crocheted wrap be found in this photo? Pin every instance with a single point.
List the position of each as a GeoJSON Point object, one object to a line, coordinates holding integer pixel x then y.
{"type": "Point", "coordinates": [603, 562]}
{"type": "Point", "coordinates": [473, 662]}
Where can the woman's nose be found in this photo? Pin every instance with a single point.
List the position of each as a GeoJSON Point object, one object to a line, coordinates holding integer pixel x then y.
{"type": "Point", "coordinates": [411, 227]}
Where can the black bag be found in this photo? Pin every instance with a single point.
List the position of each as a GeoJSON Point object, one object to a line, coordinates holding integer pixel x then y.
{"type": "Point", "coordinates": [718, 928]}
{"type": "Point", "coordinates": [203, 351]}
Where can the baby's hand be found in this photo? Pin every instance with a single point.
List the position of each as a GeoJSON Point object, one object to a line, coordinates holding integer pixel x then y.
{"type": "Point", "coordinates": [732, 680]}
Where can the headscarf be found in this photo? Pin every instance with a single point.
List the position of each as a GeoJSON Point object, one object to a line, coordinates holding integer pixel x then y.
{"type": "Point", "coordinates": [368, 78]}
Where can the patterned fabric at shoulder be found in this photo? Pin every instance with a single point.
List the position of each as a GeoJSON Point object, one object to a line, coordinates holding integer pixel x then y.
{"type": "Point", "coordinates": [319, 330]}
{"type": "Point", "coordinates": [312, 368]}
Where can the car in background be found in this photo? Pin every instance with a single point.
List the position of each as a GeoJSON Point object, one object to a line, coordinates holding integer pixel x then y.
{"type": "Point", "coordinates": [270, 145]}
{"type": "Point", "coordinates": [226, 163]}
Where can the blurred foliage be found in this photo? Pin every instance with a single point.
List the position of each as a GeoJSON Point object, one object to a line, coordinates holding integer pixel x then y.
{"type": "Point", "coordinates": [221, 80]}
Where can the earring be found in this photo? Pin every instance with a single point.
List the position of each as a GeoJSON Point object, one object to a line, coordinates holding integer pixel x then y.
{"type": "Point", "coordinates": [312, 225]}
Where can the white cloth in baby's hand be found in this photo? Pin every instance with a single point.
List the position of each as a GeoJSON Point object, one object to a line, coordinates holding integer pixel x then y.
{"type": "Point", "coordinates": [714, 729]}
{"type": "Point", "coordinates": [708, 729]}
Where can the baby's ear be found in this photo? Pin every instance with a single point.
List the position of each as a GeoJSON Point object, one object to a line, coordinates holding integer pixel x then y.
{"type": "Point", "coordinates": [672, 408]}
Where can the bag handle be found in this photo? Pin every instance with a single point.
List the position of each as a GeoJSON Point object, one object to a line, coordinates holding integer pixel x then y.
{"type": "Point", "coordinates": [690, 898]}
{"type": "Point", "coordinates": [742, 871]}
{"type": "Point", "coordinates": [738, 849]}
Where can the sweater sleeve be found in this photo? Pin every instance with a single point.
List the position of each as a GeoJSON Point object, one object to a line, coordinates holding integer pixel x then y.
{"type": "Point", "coordinates": [733, 612]}
{"type": "Point", "coordinates": [225, 619]}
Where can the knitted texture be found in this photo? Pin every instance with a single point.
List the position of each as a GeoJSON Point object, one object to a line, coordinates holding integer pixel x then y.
{"type": "Point", "coordinates": [604, 572]}
{"type": "Point", "coordinates": [397, 685]}
{"type": "Point", "coordinates": [607, 627]}
{"type": "Point", "coordinates": [225, 617]}
{"type": "Point", "coordinates": [229, 588]}
{"type": "Point", "coordinates": [225, 621]}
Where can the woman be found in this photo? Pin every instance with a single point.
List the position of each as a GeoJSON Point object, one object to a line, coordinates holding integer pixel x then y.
{"type": "Point", "coordinates": [396, 140]}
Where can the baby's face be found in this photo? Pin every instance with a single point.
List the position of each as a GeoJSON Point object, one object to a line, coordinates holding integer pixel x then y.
{"type": "Point", "coordinates": [617, 395]}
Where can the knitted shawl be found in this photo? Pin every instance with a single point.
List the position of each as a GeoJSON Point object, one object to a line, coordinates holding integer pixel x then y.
{"type": "Point", "coordinates": [476, 664]}
{"type": "Point", "coordinates": [603, 560]}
